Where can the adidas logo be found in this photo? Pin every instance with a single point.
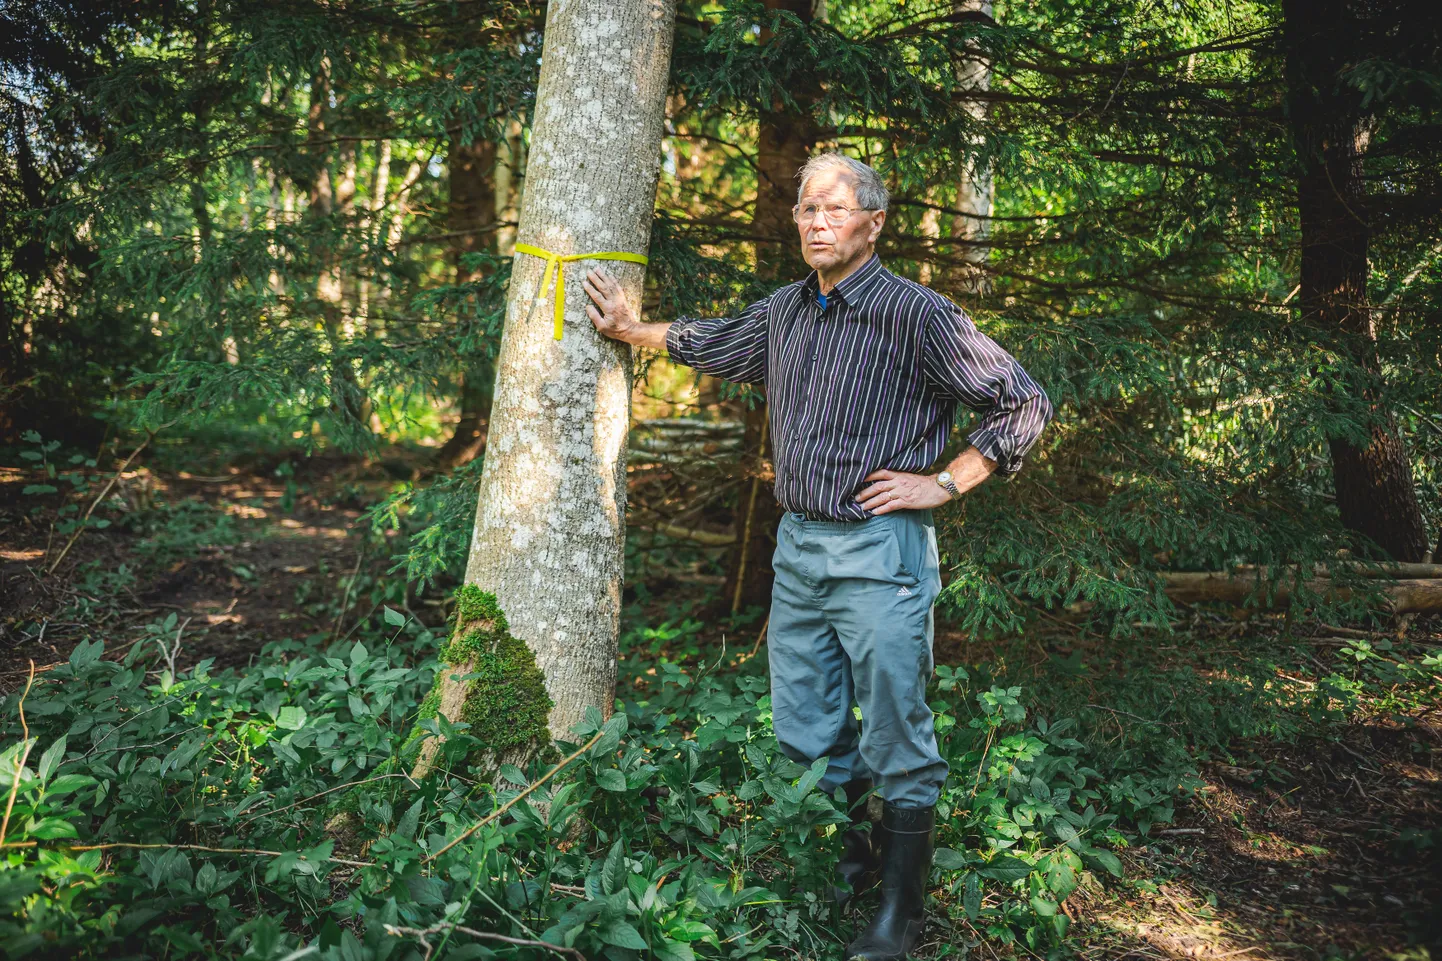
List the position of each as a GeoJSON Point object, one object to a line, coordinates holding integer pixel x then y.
{"type": "Point", "coordinates": [904, 592]}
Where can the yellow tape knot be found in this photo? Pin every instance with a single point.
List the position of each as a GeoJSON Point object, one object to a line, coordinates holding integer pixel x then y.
{"type": "Point", "coordinates": [556, 268]}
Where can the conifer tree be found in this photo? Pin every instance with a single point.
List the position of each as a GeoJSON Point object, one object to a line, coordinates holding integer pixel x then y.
{"type": "Point", "coordinates": [1332, 126]}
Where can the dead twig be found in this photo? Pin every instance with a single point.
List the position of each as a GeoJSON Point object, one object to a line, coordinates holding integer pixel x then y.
{"type": "Point", "coordinates": [338, 787]}
{"type": "Point", "coordinates": [149, 436]}
{"type": "Point", "coordinates": [24, 756]}
{"type": "Point", "coordinates": [127, 845]}
{"type": "Point", "coordinates": [760, 634]}
{"type": "Point", "coordinates": [420, 934]}
{"type": "Point", "coordinates": [350, 586]}
{"type": "Point", "coordinates": [512, 802]}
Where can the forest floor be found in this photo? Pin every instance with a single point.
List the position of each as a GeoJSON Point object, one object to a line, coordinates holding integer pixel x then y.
{"type": "Point", "coordinates": [1312, 839]}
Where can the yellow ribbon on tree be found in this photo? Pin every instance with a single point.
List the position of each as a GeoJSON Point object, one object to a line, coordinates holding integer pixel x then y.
{"type": "Point", "coordinates": [556, 265]}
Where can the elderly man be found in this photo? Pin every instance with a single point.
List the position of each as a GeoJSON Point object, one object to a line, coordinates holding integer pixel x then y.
{"type": "Point", "coordinates": [863, 371]}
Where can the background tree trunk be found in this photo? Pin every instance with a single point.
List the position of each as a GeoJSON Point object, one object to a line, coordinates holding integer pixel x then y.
{"type": "Point", "coordinates": [1375, 495]}
{"type": "Point", "coordinates": [550, 524]}
{"type": "Point", "coordinates": [784, 142]}
{"type": "Point", "coordinates": [472, 209]}
{"type": "Point", "coordinates": [970, 222]}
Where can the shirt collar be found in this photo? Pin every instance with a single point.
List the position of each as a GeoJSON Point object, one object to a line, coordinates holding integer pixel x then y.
{"type": "Point", "coordinates": [852, 286]}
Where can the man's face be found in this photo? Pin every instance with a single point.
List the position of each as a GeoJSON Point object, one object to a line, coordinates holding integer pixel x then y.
{"type": "Point", "coordinates": [825, 246]}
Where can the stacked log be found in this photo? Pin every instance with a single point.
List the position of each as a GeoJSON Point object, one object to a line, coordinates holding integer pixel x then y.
{"type": "Point", "coordinates": [671, 441]}
{"type": "Point", "coordinates": [1408, 588]}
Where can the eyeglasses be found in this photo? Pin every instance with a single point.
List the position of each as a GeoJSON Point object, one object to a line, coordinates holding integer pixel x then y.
{"type": "Point", "coordinates": [835, 214]}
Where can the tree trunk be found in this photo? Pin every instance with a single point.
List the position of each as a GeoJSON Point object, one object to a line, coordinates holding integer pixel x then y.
{"type": "Point", "coordinates": [971, 223]}
{"type": "Point", "coordinates": [961, 271]}
{"type": "Point", "coordinates": [1375, 495]}
{"type": "Point", "coordinates": [472, 211]}
{"type": "Point", "coordinates": [784, 143]}
{"type": "Point", "coordinates": [550, 524]}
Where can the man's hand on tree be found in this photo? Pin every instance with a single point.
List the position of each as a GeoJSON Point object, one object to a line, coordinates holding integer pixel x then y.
{"type": "Point", "coordinates": [611, 312]}
{"type": "Point", "coordinates": [895, 491]}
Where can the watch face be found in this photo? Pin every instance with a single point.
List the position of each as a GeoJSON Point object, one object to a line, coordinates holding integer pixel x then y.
{"type": "Point", "coordinates": [944, 477]}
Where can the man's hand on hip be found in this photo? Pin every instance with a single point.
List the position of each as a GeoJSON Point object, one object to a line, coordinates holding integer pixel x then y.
{"type": "Point", "coordinates": [895, 491]}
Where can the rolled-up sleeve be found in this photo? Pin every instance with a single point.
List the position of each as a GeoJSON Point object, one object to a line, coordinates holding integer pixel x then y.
{"type": "Point", "coordinates": [962, 362]}
{"type": "Point", "coordinates": [729, 347]}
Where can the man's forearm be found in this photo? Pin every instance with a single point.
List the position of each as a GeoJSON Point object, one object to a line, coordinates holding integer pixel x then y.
{"type": "Point", "coordinates": [646, 335]}
{"type": "Point", "coordinates": [970, 468]}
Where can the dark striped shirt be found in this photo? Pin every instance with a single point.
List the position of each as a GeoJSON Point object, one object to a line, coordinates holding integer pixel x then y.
{"type": "Point", "coordinates": [871, 380]}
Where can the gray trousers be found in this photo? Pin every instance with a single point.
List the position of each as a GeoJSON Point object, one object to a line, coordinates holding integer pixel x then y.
{"type": "Point", "coordinates": [851, 620]}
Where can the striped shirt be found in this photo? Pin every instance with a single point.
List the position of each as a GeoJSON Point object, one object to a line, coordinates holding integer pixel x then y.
{"type": "Point", "coordinates": [867, 377]}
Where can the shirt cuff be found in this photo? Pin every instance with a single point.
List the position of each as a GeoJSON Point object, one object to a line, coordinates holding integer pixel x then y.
{"type": "Point", "coordinates": [675, 349]}
{"type": "Point", "coordinates": [998, 447]}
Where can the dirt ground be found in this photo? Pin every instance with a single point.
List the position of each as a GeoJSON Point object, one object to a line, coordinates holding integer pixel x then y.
{"type": "Point", "coordinates": [1320, 848]}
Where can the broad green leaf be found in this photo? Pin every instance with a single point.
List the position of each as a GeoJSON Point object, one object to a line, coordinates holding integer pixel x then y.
{"type": "Point", "coordinates": [51, 758]}
{"type": "Point", "coordinates": [66, 783]}
{"type": "Point", "coordinates": [290, 718]}
{"type": "Point", "coordinates": [612, 780]}
{"type": "Point", "coordinates": [406, 827]}
{"type": "Point", "coordinates": [85, 654]}
{"type": "Point", "coordinates": [1005, 868]}
{"type": "Point", "coordinates": [1043, 907]}
{"type": "Point", "coordinates": [692, 931]}
{"type": "Point", "coordinates": [47, 829]}
{"type": "Point", "coordinates": [394, 618]}
{"type": "Point", "coordinates": [675, 951]}
{"type": "Point", "coordinates": [812, 776]}
{"type": "Point", "coordinates": [613, 873]}
{"type": "Point", "coordinates": [1106, 859]}
{"type": "Point", "coordinates": [623, 935]}
{"type": "Point", "coordinates": [971, 898]}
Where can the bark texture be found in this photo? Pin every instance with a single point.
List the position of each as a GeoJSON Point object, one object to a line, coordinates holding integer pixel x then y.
{"type": "Point", "coordinates": [550, 524]}
{"type": "Point", "coordinates": [1330, 128]}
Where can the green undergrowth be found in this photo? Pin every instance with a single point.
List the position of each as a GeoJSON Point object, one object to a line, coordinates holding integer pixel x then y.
{"type": "Point", "coordinates": [682, 833]}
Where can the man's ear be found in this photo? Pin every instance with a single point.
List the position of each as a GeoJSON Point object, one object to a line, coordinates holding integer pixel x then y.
{"type": "Point", "coordinates": [877, 223]}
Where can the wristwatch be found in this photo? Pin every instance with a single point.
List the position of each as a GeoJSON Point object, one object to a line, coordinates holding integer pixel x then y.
{"type": "Point", "coordinates": [944, 479]}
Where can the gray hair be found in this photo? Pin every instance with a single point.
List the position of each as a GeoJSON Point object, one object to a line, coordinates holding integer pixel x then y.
{"type": "Point", "coordinates": [871, 191]}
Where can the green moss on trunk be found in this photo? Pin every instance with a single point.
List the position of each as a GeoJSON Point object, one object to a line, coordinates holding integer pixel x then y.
{"type": "Point", "coordinates": [501, 694]}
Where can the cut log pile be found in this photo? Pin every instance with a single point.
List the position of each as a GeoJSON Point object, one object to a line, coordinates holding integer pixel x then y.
{"type": "Point", "coordinates": [1408, 588]}
{"type": "Point", "coordinates": [685, 440]}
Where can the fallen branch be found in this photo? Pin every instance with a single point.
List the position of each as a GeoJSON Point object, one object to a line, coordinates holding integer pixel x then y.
{"type": "Point", "coordinates": [1359, 569]}
{"type": "Point", "coordinates": [420, 934]}
{"type": "Point", "coordinates": [697, 535]}
{"type": "Point", "coordinates": [185, 847]}
{"type": "Point", "coordinates": [1404, 596]}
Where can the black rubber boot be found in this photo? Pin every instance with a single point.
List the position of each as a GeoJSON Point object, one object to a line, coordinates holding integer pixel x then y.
{"type": "Point", "coordinates": [856, 871]}
{"type": "Point", "coordinates": [906, 839]}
